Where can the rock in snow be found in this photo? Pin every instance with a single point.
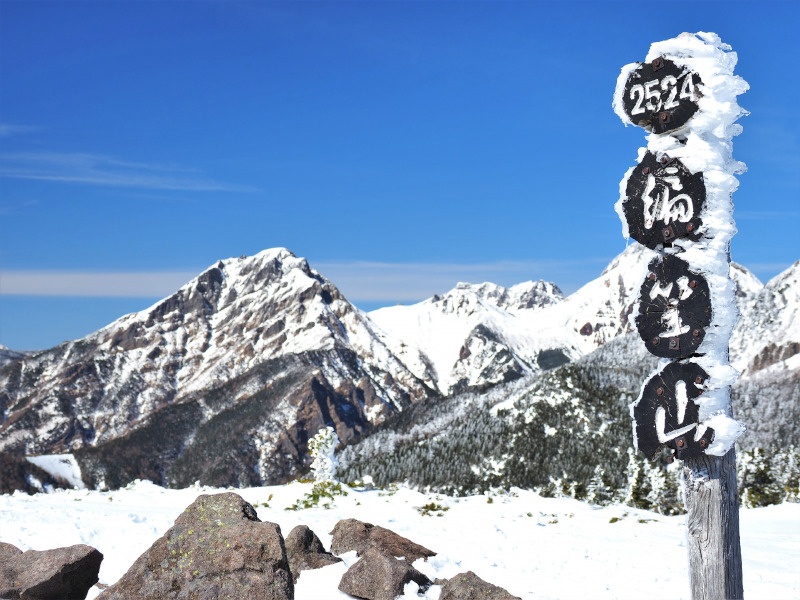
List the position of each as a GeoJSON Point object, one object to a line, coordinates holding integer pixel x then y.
{"type": "Point", "coordinates": [62, 573]}
{"type": "Point", "coordinates": [377, 576]}
{"type": "Point", "coordinates": [468, 586]}
{"type": "Point", "coordinates": [352, 534]}
{"type": "Point", "coordinates": [305, 551]}
{"type": "Point", "coordinates": [217, 548]}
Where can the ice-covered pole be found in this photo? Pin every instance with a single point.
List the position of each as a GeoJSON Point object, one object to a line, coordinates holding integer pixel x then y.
{"type": "Point", "coordinates": [677, 202]}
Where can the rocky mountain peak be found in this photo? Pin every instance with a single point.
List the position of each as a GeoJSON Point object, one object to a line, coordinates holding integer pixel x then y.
{"type": "Point", "coordinates": [467, 298]}
{"type": "Point", "coordinates": [747, 285]}
{"type": "Point", "coordinates": [633, 255]}
{"type": "Point", "coordinates": [768, 332]}
{"type": "Point", "coordinates": [262, 342]}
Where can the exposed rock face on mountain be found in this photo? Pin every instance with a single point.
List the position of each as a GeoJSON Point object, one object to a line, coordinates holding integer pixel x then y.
{"type": "Point", "coordinates": [7, 355]}
{"type": "Point", "coordinates": [768, 332]}
{"type": "Point", "coordinates": [224, 381]}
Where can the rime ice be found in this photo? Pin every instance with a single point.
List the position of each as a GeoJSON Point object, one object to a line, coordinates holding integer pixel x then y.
{"type": "Point", "coordinates": [704, 145]}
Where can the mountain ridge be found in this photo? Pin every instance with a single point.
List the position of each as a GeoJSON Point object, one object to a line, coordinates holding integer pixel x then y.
{"type": "Point", "coordinates": [226, 379]}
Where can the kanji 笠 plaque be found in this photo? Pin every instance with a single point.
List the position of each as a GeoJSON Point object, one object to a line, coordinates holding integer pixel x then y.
{"type": "Point", "coordinates": [674, 308]}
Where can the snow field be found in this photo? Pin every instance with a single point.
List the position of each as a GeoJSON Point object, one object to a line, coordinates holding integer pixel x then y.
{"type": "Point", "coordinates": [535, 547]}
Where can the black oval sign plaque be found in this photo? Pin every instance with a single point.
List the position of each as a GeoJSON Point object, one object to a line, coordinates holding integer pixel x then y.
{"type": "Point", "coordinates": [674, 308]}
{"type": "Point", "coordinates": [667, 416]}
{"type": "Point", "coordinates": [660, 95]}
{"type": "Point", "coordinates": [663, 201]}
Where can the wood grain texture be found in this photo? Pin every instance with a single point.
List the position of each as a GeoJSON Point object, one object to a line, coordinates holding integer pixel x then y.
{"type": "Point", "coordinates": [712, 520]}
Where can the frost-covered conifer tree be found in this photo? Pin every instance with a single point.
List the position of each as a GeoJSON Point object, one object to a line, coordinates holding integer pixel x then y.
{"type": "Point", "coordinates": [598, 491]}
{"type": "Point", "coordinates": [656, 497]}
{"type": "Point", "coordinates": [321, 448]}
{"type": "Point", "coordinates": [633, 494]}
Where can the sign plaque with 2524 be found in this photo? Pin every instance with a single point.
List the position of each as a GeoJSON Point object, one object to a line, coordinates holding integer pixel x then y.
{"type": "Point", "coordinates": [660, 96]}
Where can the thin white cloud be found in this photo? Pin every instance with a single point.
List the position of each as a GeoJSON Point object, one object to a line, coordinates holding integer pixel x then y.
{"type": "Point", "coordinates": [766, 215]}
{"type": "Point", "coordinates": [93, 169]}
{"type": "Point", "coordinates": [110, 285]}
{"type": "Point", "coordinates": [769, 267]}
{"type": "Point", "coordinates": [411, 282]}
{"type": "Point", "coordinates": [7, 129]}
{"type": "Point", "coordinates": [358, 281]}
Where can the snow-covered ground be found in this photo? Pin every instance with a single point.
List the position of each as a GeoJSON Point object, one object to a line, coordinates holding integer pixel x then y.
{"type": "Point", "coordinates": [534, 547]}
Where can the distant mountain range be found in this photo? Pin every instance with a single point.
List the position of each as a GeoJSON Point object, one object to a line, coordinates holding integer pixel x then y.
{"type": "Point", "coordinates": [225, 380]}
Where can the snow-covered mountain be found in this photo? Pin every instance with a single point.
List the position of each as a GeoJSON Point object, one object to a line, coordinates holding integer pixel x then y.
{"type": "Point", "coordinates": [225, 380]}
{"type": "Point", "coordinates": [248, 360]}
{"type": "Point", "coordinates": [7, 355]}
{"type": "Point", "coordinates": [479, 335]}
{"type": "Point", "coordinates": [476, 335]}
{"type": "Point", "coordinates": [563, 423]}
{"type": "Point", "coordinates": [472, 336]}
{"type": "Point", "coordinates": [768, 333]}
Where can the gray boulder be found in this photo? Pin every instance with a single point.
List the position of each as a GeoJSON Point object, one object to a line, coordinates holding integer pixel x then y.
{"type": "Point", "coordinates": [216, 549]}
{"type": "Point", "coordinates": [468, 586]}
{"type": "Point", "coordinates": [305, 551]}
{"type": "Point", "coordinates": [7, 552]}
{"type": "Point", "coordinates": [379, 577]}
{"type": "Point", "coordinates": [352, 534]}
{"type": "Point", "coordinates": [59, 574]}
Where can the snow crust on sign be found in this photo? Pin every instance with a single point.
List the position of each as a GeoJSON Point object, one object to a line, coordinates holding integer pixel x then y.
{"type": "Point", "coordinates": [705, 145]}
{"type": "Point", "coordinates": [536, 548]}
{"type": "Point", "coordinates": [60, 465]}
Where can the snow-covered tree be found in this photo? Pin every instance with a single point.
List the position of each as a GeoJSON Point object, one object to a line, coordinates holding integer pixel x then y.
{"type": "Point", "coordinates": [657, 480]}
{"type": "Point", "coordinates": [599, 491]}
{"type": "Point", "coordinates": [632, 493]}
{"type": "Point", "coordinates": [321, 448]}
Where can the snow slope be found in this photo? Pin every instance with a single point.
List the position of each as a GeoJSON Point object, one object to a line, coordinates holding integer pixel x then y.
{"type": "Point", "coordinates": [536, 548]}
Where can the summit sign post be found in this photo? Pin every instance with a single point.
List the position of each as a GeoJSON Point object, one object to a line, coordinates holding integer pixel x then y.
{"type": "Point", "coordinates": [677, 202]}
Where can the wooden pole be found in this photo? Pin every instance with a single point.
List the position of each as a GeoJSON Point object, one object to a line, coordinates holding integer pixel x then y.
{"type": "Point", "coordinates": [712, 521]}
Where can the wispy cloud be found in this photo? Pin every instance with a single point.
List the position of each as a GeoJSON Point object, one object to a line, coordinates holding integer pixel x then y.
{"type": "Point", "coordinates": [769, 269]}
{"type": "Point", "coordinates": [373, 282]}
{"type": "Point", "coordinates": [94, 169]}
{"type": "Point", "coordinates": [8, 129]}
{"type": "Point", "coordinates": [766, 215]}
{"type": "Point", "coordinates": [411, 282]}
{"type": "Point", "coordinates": [77, 283]}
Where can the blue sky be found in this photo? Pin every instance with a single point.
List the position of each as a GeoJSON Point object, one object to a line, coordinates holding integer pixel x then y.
{"type": "Point", "coordinates": [399, 146]}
